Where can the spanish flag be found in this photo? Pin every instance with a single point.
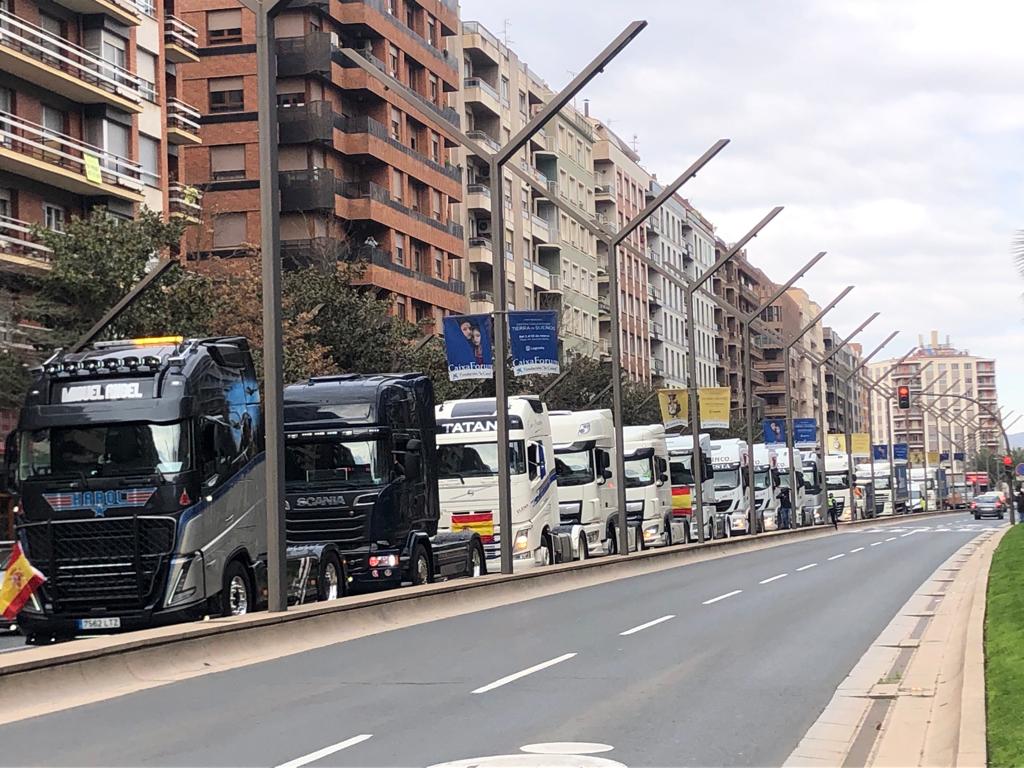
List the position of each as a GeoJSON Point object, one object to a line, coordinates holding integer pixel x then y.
{"type": "Point", "coordinates": [20, 581]}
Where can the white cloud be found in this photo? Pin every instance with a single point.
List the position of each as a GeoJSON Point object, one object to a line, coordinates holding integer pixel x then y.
{"type": "Point", "coordinates": [890, 129]}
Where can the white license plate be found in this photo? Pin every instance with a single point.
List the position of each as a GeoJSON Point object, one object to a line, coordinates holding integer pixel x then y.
{"type": "Point", "coordinates": [106, 623]}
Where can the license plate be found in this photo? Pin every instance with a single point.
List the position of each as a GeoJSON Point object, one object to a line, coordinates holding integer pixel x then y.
{"type": "Point", "coordinates": [113, 622]}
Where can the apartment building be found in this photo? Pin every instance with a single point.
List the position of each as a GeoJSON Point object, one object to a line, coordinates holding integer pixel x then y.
{"type": "Point", "coordinates": [670, 263]}
{"type": "Point", "coordinates": [783, 320]}
{"type": "Point", "coordinates": [843, 406]}
{"type": "Point", "coordinates": [366, 170]}
{"type": "Point", "coordinates": [860, 392]}
{"type": "Point", "coordinates": [704, 247]}
{"type": "Point", "coordinates": [952, 371]}
{"type": "Point", "coordinates": [91, 115]}
{"type": "Point", "coordinates": [740, 284]}
{"type": "Point", "coordinates": [551, 262]}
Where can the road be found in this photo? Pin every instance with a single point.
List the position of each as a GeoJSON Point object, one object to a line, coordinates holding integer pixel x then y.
{"type": "Point", "coordinates": [724, 662]}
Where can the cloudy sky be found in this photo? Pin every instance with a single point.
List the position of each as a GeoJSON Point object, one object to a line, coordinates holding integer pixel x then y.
{"type": "Point", "coordinates": [891, 130]}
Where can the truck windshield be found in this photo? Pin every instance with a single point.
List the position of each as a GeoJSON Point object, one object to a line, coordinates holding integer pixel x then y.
{"type": "Point", "coordinates": [881, 483]}
{"type": "Point", "coordinates": [679, 467]}
{"type": "Point", "coordinates": [462, 460]}
{"type": "Point", "coordinates": [639, 472]}
{"type": "Point", "coordinates": [762, 478]}
{"type": "Point", "coordinates": [103, 451]}
{"type": "Point", "coordinates": [726, 479]}
{"type": "Point", "coordinates": [574, 467]}
{"type": "Point", "coordinates": [836, 482]}
{"type": "Point", "coordinates": [350, 463]}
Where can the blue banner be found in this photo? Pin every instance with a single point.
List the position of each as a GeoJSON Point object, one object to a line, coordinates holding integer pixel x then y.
{"type": "Point", "coordinates": [901, 451]}
{"type": "Point", "coordinates": [805, 433]}
{"type": "Point", "coordinates": [533, 340]}
{"type": "Point", "coordinates": [774, 431]}
{"type": "Point", "coordinates": [959, 457]}
{"type": "Point", "coordinates": [467, 344]}
{"type": "Point", "coordinates": [880, 452]}
{"type": "Point", "coordinates": [944, 456]}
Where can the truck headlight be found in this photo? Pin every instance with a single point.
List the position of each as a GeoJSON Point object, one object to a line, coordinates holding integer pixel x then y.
{"type": "Point", "coordinates": [635, 506]}
{"type": "Point", "coordinates": [521, 543]}
{"type": "Point", "coordinates": [188, 579]}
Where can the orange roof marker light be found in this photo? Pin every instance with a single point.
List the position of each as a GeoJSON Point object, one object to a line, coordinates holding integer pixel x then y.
{"type": "Point", "coordinates": [155, 341]}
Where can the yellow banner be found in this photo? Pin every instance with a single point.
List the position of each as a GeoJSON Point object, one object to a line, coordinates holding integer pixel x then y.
{"type": "Point", "coordinates": [92, 168]}
{"type": "Point", "coordinates": [836, 443]}
{"type": "Point", "coordinates": [933, 458]}
{"type": "Point", "coordinates": [714, 407]}
{"type": "Point", "coordinates": [674, 407]}
{"type": "Point", "coordinates": [916, 457]}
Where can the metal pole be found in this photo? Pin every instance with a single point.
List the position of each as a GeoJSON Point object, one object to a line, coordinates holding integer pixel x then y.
{"type": "Point", "coordinates": [273, 342]}
{"type": "Point", "coordinates": [787, 382]}
{"type": "Point", "coordinates": [871, 454]}
{"type": "Point", "coordinates": [848, 418]}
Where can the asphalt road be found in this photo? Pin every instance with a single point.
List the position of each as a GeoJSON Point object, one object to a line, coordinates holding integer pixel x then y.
{"type": "Point", "coordinates": [725, 662]}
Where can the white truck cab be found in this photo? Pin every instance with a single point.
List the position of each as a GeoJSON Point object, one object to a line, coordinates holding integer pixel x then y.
{"type": "Point", "coordinates": [815, 507]}
{"type": "Point", "coordinates": [467, 448]}
{"type": "Point", "coordinates": [837, 482]}
{"type": "Point", "coordinates": [584, 443]}
{"type": "Point", "coordinates": [766, 486]}
{"type": "Point", "coordinates": [729, 459]}
{"type": "Point", "coordinates": [879, 488]}
{"type": "Point", "coordinates": [796, 495]}
{"type": "Point", "coordinates": [680, 453]}
{"type": "Point", "coordinates": [648, 493]}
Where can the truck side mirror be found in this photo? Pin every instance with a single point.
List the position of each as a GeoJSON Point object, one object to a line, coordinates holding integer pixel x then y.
{"type": "Point", "coordinates": [606, 473]}
{"type": "Point", "coordinates": [662, 478]}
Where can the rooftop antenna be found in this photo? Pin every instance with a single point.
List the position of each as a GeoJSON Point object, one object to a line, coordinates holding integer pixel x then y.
{"type": "Point", "coordinates": [571, 76]}
{"type": "Point", "coordinates": [636, 144]}
{"type": "Point", "coordinates": [506, 26]}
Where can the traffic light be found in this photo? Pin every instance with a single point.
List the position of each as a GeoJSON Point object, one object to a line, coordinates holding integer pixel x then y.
{"type": "Point", "coordinates": [1007, 461]}
{"type": "Point", "coordinates": [903, 396]}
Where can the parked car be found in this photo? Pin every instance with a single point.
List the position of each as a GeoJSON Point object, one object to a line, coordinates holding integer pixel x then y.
{"type": "Point", "coordinates": [988, 505]}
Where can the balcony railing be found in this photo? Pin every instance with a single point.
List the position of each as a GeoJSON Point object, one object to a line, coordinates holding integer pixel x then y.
{"type": "Point", "coordinates": [481, 242]}
{"type": "Point", "coordinates": [483, 138]}
{"type": "Point", "coordinates": [36, 43]}
{"type": "Point", "coordinates": [182, 116]}
{"type": "Point", "coordinates": [605, 189]}
{"type": "Point", "coordinates": [475, 28]}
{"type": "Point", "coordinates": [483, 85]}
{"type": "Point", "coordinates": [478, 189]}
{"type": "Point", "coordinates": [57, 149]}
{"type": "Point", "coordinates": [16, 238]}
{"type": "Point", "coordinates": [541, 223]}
{"type": "Point", "coordinates": [184, 201]}
{"type": "Point", "coordinates": [378, 5]}
{"type": "Point", "coordinates": [356, 190]}
{"type": "Point", "coordinates": [366, 124]}
{"type": "Point", "coordinates": [185, 36]}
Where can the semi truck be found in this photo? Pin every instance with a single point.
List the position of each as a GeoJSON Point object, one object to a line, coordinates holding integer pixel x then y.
{"type": "Point", "coordinates": [838, 484]}
{"type": "Point", "coordinates": [648, 492]}
{"type": "Point", "coordinates": [797, 498]}
{"type": "Point", "coordinates": [729, 459]}
{"type": "Point", "coordinates": [680, 452]}
{"type": "Point", "coordinates": [467, 441]}
{"type": "Point", "coordinates": [361, 474]}
{"type": "Point", "coordinates": [138, 476]}
{"type": "Point", "coordinates": [584, 445]}
{"type": "Point", "coordinates": [815, 499]}
{"type": "Point", "coordinates": [766, 486]}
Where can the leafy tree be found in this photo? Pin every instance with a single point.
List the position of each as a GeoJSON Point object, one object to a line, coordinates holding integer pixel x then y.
{"type": "Point", "coordinates": [14, 376]}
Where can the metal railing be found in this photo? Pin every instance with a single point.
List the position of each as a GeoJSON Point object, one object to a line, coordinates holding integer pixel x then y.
{"type": "Point", "coordinates": [481, 242]}
{"type": "Point", "coordinates": [486, 296]}
{"type": "Point", "coordinates": [366, 124]}
{"type": "Point", "coordinates": [483, 85]}
{"type": "Point", "coordinates": [56, 52]}
{"type": "Point", "coordinates": [476, 28]}
{"type": "Point", "coordinates": [66, 152]}
{"type": "Point", "coordinates": [478, 189]}
{"type": "Point", "coordinates": [356, 190]}
{"type": "Point", "coordinates": [438, 53]}
{"type": "Point", "coordinates": [485, 139]}
{"type": "Point", "coordinates": [182, 116]}
{"type": "Point", "coordinates": [446, 113]}
{"type": "Point", "coordinates": [177, 32]}
{"type": "Point", "coordinates": [16, 237]}
{"type": "Point", "coordinates": [184, 200]}
{"type": "Point", "coordinates": [604, 189]}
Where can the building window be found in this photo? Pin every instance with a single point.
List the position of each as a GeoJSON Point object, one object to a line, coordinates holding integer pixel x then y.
{"type": "Point", "coordinates": [434, 92]}
{"type": "Point", "coordinates": [399, 249]}
{"type": "Point", "coordinates": [227, 161]}
{"type": "Point", "coordinates": [288, 100]}
{"type": "Point", "coordinates": [410, 16]}
{"type": "Point", "coordinates": [522, 102]}
{"type": "Point", "coordinates": [435, 148]}
{"type": "Point", "coordinates": [438, 264]}
{"type": "Point", "coordinates": [54, 120]}
{"type": "Point", "coordinates": [6, 203]}
{"type": "Point", "coordinates": [400, 307]}
{"type": "Point", "coordinates": [53, 217]}
{"type": "Point", "coordinates": [435, 204]}
{"type": "Point", "coordinates": [504, 89]}
{"type": "Point", "coordinates": [228, 230]}
{"type": "Point", "coordinates": [224, 26]}
{"type": "Point", "coordinates": [393, 60]}
{"type": "Point", "coordinates": [226, 94]}
{"type": "Point", "coordinates": [431, 31]}
{"type": "Point", "coordinates": [396, 124]}
{"type": "Point", "coordinates": [396, 184]}
{"type": "Point", "coordinates": [393, 10]}
{"type": "Point", "coordinates": [149, 159]}
{"type": "Point", "coordinates": [145, 65]}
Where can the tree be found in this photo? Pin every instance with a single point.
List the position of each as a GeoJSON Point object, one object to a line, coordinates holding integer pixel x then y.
{"type": "Point", "coordinates": [14, 376]}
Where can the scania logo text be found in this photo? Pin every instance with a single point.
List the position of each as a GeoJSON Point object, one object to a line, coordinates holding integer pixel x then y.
{"type": "Point", "coordinates": [320, 501]}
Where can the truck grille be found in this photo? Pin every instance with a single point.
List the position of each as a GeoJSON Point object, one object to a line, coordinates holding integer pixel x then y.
{"type": "Point", "coordinates": [344, 527]}
{"type": "Point", "coordinates": [723, 506]}
{"type": "Point", "coordinates": [110, 564]}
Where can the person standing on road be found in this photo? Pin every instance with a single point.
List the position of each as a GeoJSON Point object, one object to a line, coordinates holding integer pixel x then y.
{"type": "Point", "coordinates": [1020, 502]}
{"type": "Point", "coordinates": [784, 508]}
{"type": "Point", "coordinates": [833, 511]}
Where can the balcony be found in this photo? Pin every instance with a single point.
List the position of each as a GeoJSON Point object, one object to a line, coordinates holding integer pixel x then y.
{"type": "Point", "coordinates": [481, 302]}
{"type": "Point", "coordinates": [478, 91]}
{"type": "Point", "coordinates": [653, 224]}
{"type": "Point", "coordinates": [657, 366]}
{"type": "Point", "coordinates": [185, 202]}
{"type": "Point", "coordinates": [476, 37]}
{"type": "Point", "coordinates": [306, 124]}
{"type": "Point", "coordinates": [181, 41]}
{"type": "Point", "coordinates": [656, 332]}
{"type": "Point", "coordinates": [28, 149]}
{"type": "Point", "coordinates": [367, 190]}
{"type": "Point", "coordinates": [653, 296]}
{"type": "Point", "coordinates": [604, 308]}
{"type": "Point", "coordinates": [182, 123]}
{"type": "Point", "coordinates": [361, 17]}
{"type": "Point", "coordinates": [123, 11]}
{"type": "Point", "coordinates": [478, 197]}
{"type": "Point", "coordinates": [367, 125]}
{"type": "Point", "coordinates": [554, 284]}
{"type": "Point", "coordinates": [309, 55]}
{"type": "Point", "coordinates": [484, 138]}
{"type": "Point", "coordinates": [604, 192]}
{"type": "Point", "coordinates": [604, 349]}
{"type": "Point", "coordinates": [541, 229]}
{"type": "Point", "coordinates": [18, 249]}
{"type": "Point", "coordinates": [541, 278]}
{"type": "Point", "coordinates": [54, 64]}
{"type": "Point", "coordinates": [481, 250]}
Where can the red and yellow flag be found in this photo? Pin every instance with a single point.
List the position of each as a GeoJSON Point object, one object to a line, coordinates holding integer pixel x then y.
{"type": "Point", "coordinates": [20, 581]}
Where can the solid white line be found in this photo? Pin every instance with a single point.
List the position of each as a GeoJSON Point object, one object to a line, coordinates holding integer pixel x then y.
{"type": "Point", "coordinates": [805, 567]}
{"type": "Point", "coordinates": [634, 630]}
{"type": "Point", "coordinates": [314, 756]}
{"type": "Point", "coordinates": [891, 538]}
{"type": "Point", "coordinates": [876, 543]}
{"type": "Point", "coordinates": [858, 549]}
{"type": "Point", "coordinates": [836, 557]}
{"type": "Point", "coordinates": [722, 597]}
{"type": "Point", "coordinates": [774, 578]}
{"type": "Point", "coordinates": [513, 677]}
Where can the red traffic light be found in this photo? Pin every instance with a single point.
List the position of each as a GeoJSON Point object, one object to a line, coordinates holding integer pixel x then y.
{"type": "Point", "coordinates": [903, 396]}
{"type": "Point", "coordinates": [1007, 461]}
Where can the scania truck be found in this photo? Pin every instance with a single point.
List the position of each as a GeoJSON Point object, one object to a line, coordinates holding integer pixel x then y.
{"type": "Point", "coordinates": [648, 493]}
{"type": "Point", "coordinates": [584, 445]}
{"type": "Point", "coordinates": [680, 452]}
{"type": "Point", "coordinates": [729, 459]}
{"type": "Point", "coordinates": [361, 473]}
{"type": "Point", "coordinates": [467, 442]}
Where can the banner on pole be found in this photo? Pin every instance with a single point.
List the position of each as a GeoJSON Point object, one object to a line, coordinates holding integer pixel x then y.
{"type": "Point", "coordinates": [933, 457]}
{"type": "Point", "coordinates": [880, 452]}
{"type": "Point", "coordinates": [944, 456]}
{"type": "Point", "coordinates": [836, 444]}
{"type": "Point", "coordinates": [533, 340]}
{"type": "Point", "coordinates": [714, 407]}
{"type": "Point", "coordinates": [917, 456]}
{"type": "Point", "coordinates": [675, 409]}
{"type": "Point", "coordinates": [467, 344]}
{"type": "Point", "coordinates": [959, 457]}
{"type": "Point", "coordinates": [805, 433]}
{"type": "Point", "coordinates": [774, 431]}
{"type": "Point", "coordinates": [901, 451]}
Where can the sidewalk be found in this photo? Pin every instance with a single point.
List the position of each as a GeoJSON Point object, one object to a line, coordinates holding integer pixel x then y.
{"type": "Point", "coordinates": [917, 697]}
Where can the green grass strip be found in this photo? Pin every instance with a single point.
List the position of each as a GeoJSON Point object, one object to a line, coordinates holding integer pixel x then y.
{"type": "Point", "coordinates": [1004, 652]}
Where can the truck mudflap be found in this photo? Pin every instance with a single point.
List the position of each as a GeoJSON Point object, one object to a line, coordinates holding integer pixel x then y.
{"type": "Point", "coordinates": [561, 543]}
{"type": "Point", "coordinates": [574, 532]}
{"type": "Point", "coordinates": [453, 554]}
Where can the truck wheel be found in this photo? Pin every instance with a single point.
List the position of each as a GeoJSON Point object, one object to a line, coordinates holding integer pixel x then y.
{"type": "Point", "coordinates": [236, 594]}
{"type": "Point", "coordinates": [419, 566]}
{"type": "Point", "coordinates": [584, 547]}
{"type": "Point", "coordinates": [613, 540]}
{"type": "Point", "coordinates": [477, 561]}
{"type": "Point", "coordinates": [668, 532]}
{"type": "Point", "coordinates": [548, 546]}
{"type": "Point", "coordinates": [330, 585]}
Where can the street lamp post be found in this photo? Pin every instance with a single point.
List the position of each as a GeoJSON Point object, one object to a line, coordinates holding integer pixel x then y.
{"type": "Point", "coordinates": [696, 459]}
